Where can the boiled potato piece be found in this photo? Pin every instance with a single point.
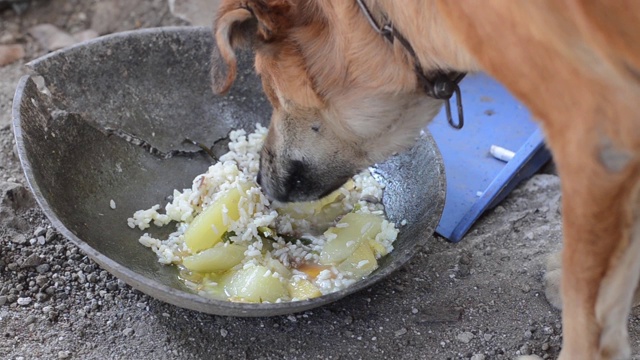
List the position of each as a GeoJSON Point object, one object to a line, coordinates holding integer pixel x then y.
{"type": "Point", "coordinates": [200, 234]}
{"type": "Point", "coordinates": [303, 290]}
{"type": "Point", "coordinates": [361, 263]}
{"type": "Point", "coordinates": [218, 258]}
{"type": "Point", "coordinates": [217, 291]}
{"type": "Point", "coordinates": [360, 227]}
{"type": "Point", "coordinates": [276, 266]}
{"type": "Point", "coordinates": [255, 284]}
{"type": "Point", "coordinates": [303, 210]}
{"type": "Point", "coordinates": [378, 249]}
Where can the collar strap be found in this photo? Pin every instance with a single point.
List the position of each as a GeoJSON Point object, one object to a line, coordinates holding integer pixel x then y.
{"type": "Point", "coordinates": [439, 84]}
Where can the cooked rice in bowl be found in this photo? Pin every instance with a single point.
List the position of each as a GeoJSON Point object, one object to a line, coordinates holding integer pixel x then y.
{"type": "Point", "coordinates": [232, 243]}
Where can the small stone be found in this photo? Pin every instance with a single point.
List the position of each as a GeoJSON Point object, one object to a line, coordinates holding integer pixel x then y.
{"type": "Point", "coordinates": [85, 35]}
{"type": "Point", "coordinates": [128, 332]}
{"type": "Point", "coordinates": [30, 319]}
{"type": "Point", "coordinates": [487, 337]}
{"type": "Point", "coordinates": [51, 37]}
{"type": "Point", "coordinates": [41, 240]}
{"type": "Point", "coordinates": [526, 288]}
{"type": "Point", "coordinates": [40, 231]}
{"type": "Point", "coordinates": [43, 268]}
{"type": "Point", "coordinates": [53, 315]}
{"type": "Point", "coordinates": [112, 285]}
{"type": "Point", "coordinates": [524, 350]}
{"type": "Point", "coordinates": [51, 234]}
{"type": "Point", "coordinates": [19, 239]}
{"type": "Point", "coordinates": [545, 346]}
{"type": "Point", "coordinates": [10, 54]}
{"type": "Point", "coordinates": [41, 297]}
{"type": "Point", "coordinates": [16, 197]}
{"type": "Point", "coordinates": [3, 299]}
{"type": "Point", "coordinates": [348, 320]}
{"type": "Point", "coordinates": [24, 301]}
{"type": "Point", "coordinates": [400, 332]}
{"type": "Point", "coordinates": [478, 357]}
{"type": "Point", "coordinates": [528, 335]}
{"type": "Point", "coordinates": [465, 337]}
{"type": "Point", "coordinates": [41, 280]}
{"type": "Point", "coordinates": [11, 298]}
{"type": "Point", "coordinates": [32, 261]}
{"type": "Point", "coordinates": [92, 278]}
{"type": "Point", "coordinates": [223, 333]}
{"type": "Point", "coordinates": [64, 354]}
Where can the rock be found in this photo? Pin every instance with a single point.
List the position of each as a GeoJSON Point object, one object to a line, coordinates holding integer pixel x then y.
{"type": "Point", "coordinates": [51, 234]}
{"type": "Point", "coordinates": [15, 197]}
{"type": "Point", "coordinates": [109, 14]}
{"type": "Point", "coordinates": [400, 332]}
{"type": "Point", "coordinates": [196, 12]}
{"type": "Point", "coordinates": [128, 332]}
{"type": "Point", "coordinates": [39, 231]}
{"type": "Point", "coordinates": [64, 354]}
{"type": "Point", "coordinates": [487, 337]}
{"type": "Point", "coordinates": [3, 300]}
{"type": "Point", "coordinates": [478, 357]}
{"type": "Point", "coordinates": [43, 268]}
{"type": "Point", "coordinates": [50, 37]}
{"type": "Point", "coordinates": [24, 301]}
{"type": "Point", "coordinates": [465, 337]}
{"type": "Point", "coordinates": [19, 239]}
{"type": "Point", "coordinates": [85, 35]}
{"type": "Point", "coordinates": [32, 261]}
{"type": "Point", "coordinates": [524, 350]}
{"type": "Point", "coordinates": [10, 54]}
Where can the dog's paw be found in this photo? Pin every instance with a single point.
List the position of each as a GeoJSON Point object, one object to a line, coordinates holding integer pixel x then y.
{"type": "Point", "coordinates": [552, 280]}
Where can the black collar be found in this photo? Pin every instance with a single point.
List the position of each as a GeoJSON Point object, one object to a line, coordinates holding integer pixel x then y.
{"type": "Point", "coordinates": [437, 84]}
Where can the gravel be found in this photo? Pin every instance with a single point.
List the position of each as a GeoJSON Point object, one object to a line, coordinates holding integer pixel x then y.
{"type": "Point", "coordinates": [479, 299]}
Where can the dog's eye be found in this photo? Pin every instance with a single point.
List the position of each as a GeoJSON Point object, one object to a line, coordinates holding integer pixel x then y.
{"type": "Point", "coordinates": [315, 128]}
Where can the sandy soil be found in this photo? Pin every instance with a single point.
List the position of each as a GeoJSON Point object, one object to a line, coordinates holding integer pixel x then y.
{"type": "Point", "coordinates": [480, 299]}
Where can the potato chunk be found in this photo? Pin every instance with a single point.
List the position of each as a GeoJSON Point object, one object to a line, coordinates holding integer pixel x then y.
{"type": "Point", "coordinates": [208, 227]}
{"type": "Point", "coordinates": [256, 284]}
{"type": "Point", "coordinates": [303, 210]}
{"type": "Point", "coordinates": [358, 228]}
{"type": "Point", "coordinates": [218, 258]}
{"type": "Point", "coordinates": [361, 263]}
{"type": "Point", "coordinates": [303, 290]}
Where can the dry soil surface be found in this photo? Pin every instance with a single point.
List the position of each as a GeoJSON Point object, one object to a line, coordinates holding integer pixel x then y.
{"type": "Point", "coordinates": [480, 299]}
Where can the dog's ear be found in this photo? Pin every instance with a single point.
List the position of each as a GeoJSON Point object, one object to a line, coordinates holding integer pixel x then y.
{"type": "Point", "coordinates": [241, 24]}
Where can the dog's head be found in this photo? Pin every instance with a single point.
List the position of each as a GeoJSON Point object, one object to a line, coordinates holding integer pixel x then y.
{"type": "Point", "coordinates": [342, 97]}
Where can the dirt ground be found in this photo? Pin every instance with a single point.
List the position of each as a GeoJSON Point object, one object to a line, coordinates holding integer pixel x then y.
{"type": "Point", "coordinates": [480, 299]}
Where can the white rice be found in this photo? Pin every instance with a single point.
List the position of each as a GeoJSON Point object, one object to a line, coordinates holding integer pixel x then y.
{"type": "Point", "coordinates": [240, 166]}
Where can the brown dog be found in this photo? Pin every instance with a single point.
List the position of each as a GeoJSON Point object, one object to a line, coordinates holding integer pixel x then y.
{"type": "Point", "coordinates": [344, 97]}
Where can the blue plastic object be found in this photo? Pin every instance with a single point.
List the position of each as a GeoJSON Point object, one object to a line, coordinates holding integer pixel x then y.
{"type": "Point", "coordinates": [476, 181]}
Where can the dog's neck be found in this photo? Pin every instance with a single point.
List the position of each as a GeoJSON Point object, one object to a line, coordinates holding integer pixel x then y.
{"type": "Point", "coordinates": [427, 32]}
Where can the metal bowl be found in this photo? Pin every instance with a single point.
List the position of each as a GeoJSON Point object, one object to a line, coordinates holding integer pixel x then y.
{"type": "Point", "coordinates": [155, 84]}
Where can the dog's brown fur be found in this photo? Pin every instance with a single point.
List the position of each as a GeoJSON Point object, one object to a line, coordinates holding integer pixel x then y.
{"type": "Point", "coordinates": [344, 98]}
